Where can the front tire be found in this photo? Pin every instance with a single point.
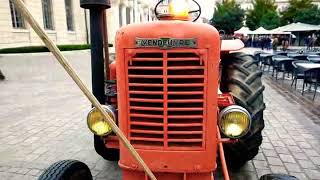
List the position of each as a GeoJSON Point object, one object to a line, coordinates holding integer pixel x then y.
{"type": "Point", "coordinates": [107, 153]}
{"type": "Point", "coordinates": [277, 177]}
{"type": "Point", "coordinates": [67, 170]}
{"type": "Point", "coordinates": [242, 78]}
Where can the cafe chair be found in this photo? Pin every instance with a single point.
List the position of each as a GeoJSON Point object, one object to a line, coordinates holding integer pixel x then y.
{"type": "Point", "coordinates": [311, 77]}
{"type": "Point", "coordinates": [266, 61]}
{"type": "Point", "coordinates": [297, 73]}
{"type": "Point", "coordinates": [285, 67]}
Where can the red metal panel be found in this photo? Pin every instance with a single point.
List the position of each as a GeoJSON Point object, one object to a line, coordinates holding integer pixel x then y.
{"type": "Point", "coordinates": [189, 134]}
{"type": "Point", "coordinates": [171, 101]}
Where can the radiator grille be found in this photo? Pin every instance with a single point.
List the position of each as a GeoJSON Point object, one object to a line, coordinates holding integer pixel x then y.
{"type": "Point", "coordinates": [166, 100]}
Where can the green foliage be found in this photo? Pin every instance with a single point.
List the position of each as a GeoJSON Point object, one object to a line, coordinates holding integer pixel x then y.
{"type": "Point", "coordinates": [228, 16]}
{"type": "Point", "coordinates": [36, 49]}
{"type": "Point", "coordinates": [264, 13]}
{"type": "Point", "coordinates": [270, 20]}
{"type": "Point", "coordinates": [309, 16]}
{"type": "Point", "coordinates": [296, 7]}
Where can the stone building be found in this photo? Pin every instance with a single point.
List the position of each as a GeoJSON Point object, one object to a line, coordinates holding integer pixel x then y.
{"type": "Point", "coordinates": [65, 21]}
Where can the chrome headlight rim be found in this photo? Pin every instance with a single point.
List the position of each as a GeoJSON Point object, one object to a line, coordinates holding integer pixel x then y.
{"type": "Point", "coordinates": [110, 110]}
{"type": "Point", "coordinates": [235, 108]}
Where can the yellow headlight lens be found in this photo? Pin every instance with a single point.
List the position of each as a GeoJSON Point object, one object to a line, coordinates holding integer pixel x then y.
{"type": "Point", "coordinates": [96, 122]}
{"type": "Point", "coordinates": [234, 121]}
{"type": "Point", "coordinates": [179, 8]}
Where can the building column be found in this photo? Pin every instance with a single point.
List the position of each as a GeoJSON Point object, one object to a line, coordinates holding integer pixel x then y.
{"type": "Point", "coordinates": [149, 14]}
{"type": "Point", "coordinates": [136, 13]}
{"type": "Point", "coordinates": [123, 14]}
{"type": "Point", "coordinates": [113, 22]}
{"type": "Point", "coordinates": [131, 12]}
{"type": "Point", "coordinates": [140, 13]}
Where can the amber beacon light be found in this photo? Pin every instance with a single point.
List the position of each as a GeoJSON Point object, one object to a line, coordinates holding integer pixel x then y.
{"type": "Point", "coordinates": [179, 9]}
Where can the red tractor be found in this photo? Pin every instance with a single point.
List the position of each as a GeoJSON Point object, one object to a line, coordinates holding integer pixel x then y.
{"type": "Point", "coordinates": [178, 94]}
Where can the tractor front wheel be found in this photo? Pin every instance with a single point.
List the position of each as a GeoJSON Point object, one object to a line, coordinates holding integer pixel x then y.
{"type": "Point", "coordinates": [242, 78]}
{"type": "Point", "coordinates": [107, 153]}
{"type": "Point", "coordinates": [277, 177]}
{"type": "Point", "coordinates": [67, 170]}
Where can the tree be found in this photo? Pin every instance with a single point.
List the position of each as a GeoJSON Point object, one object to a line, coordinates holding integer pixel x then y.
{"type": "Point", "coordinates": [270, 20]}
{"type": "Point", "coordinates": [309, 16]}
{"type": "Point", "coordinates": [228, 16]}
{"type": "Point", "coordinates": [301, 11]}
{"type": "Point", "coordinates": [264, 13]}
{"type": "Point", "coordinates": [288, 15]}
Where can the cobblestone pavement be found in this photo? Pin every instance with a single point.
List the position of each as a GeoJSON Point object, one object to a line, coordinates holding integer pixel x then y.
{"type": "Point", "coordinates": [43, 114]}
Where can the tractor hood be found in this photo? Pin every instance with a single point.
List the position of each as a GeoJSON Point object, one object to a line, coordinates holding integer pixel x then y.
{"type": "Point", "coordinates": [205, 36]}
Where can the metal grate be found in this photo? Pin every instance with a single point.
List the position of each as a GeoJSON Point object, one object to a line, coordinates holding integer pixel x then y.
{"type": "Point", "coordinates": [166, 100]}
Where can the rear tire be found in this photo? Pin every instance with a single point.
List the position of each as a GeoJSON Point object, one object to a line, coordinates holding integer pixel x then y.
{"type": "Point", "coordinates": [67, 170]}
{"type": "Point", "coordinates": [242, 78]}
{"type": "Point", "coordinates": [107, 153]}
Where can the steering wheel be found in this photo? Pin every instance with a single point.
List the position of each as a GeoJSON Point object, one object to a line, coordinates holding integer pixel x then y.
{"type": "Point", "coordinates": [190, 12]}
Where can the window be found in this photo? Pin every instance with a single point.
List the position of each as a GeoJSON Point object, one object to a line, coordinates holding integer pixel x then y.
{"type": "Point", "coordinates": [47, 14]}
{"type": "Point", "coordinates": [128, 15]}
{"type": "Point", "coordinates": [17, 20]}
{"type": "Point", "coordinates": [69, 14]}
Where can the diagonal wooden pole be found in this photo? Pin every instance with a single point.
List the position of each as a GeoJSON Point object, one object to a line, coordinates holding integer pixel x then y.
{"type": "Point", "coordinates": [64, 62]}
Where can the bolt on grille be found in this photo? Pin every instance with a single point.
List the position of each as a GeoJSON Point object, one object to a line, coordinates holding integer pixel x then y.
{"type": "Point", "coordinates": [166, 100]}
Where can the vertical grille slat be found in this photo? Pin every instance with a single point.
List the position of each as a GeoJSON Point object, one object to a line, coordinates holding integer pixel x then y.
{"type": "Point", "coordinates": [166, 100]}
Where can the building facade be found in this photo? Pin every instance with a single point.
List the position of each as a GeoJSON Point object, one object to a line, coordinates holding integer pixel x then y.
{"type": "Point", "coordinates": [64, 20]}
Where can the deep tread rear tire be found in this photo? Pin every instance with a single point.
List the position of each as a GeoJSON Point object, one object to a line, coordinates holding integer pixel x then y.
{"type": "Point", "coordinates": [242, 78]}
{"type": "Point", "coordinates": [107, 153]}
{"type": "Point", "coordinates": [277, 177]}
{"type": "Point", "coordinates": [67, 170]}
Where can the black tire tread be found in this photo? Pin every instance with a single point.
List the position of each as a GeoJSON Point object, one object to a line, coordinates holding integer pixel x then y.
{"type": "Point", "coordinates": [242, 78]}
{"type": "Point", "coordinates": [277, 177]}
{"type": "Point", "coordinates": [57, 170]}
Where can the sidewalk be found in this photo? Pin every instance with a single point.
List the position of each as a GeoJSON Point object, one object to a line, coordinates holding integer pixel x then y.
{"type": "Point", "coordinates": [43, 121]}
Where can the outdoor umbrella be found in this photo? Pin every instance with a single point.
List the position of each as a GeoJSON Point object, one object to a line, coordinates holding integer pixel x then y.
{"type": "Point", "coordinates": [299, 27]}
{"type": "Point", "coordinates": [260, 30]}
{"type": "Point", "coordinates": [243, 30]}
{"type": "Point", "coordinates": [278, 31]}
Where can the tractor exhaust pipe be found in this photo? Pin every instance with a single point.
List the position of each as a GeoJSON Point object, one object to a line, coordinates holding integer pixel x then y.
{"type": "Point", "coordinates": [97, 12]}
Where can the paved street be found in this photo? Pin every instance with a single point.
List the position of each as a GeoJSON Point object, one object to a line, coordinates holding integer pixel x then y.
{"type": "Point", "coordinates": [43, 116]}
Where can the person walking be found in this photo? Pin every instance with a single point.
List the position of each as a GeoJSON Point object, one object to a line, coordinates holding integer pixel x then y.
{"type": "Point", "coordinates": [314, 40]}
{"type": "Point", "coordinates": [262, 43]}
{"type": "Point", "coordinates": [309, 42]}
{"type": "Point", "coordinates": [268, 42]}
{"type": "Point", "coordinates": [275, 44]}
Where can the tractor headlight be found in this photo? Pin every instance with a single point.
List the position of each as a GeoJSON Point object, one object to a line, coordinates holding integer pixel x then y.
{"type": "Point", "coordinates": [96, 122]}
{"type": "Point", "coordinates": [234, 121]}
